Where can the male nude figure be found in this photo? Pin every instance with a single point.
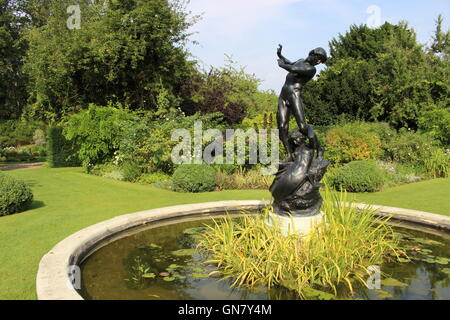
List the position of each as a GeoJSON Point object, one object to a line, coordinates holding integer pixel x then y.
{"type": "Point", "coordinates": [290, 101]}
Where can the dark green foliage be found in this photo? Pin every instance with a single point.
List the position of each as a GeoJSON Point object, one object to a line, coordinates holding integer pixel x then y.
{"type": "Point", "coordinates": [226, 168]}
{"type": "Point", "coordinates": [97, 132]}
{"type": "Point", "coordinates": [358, 176]}
{"type": "Point", "coordinates": [60, 152]}
{"type": "Point", "coordinates": [228, 90]}
{"type": "Point", "coordinates": [18, 132]}
{"type": "Point", "coordinates": [130, 171]}
{"type": "Point", "coordinates": [379, 74]}
{"type": "Point", "coordinates": [364, 43]}
{"type": "Point", "coordinates": [13, 94]}
{"type": "Point", "coordinates": [149, 141]}
{"type": "Point", "coordinates": [436, 122]}
{"type": "Point", "coordinates": [194, 178]}
{"type": "Point", "coordinates": [123, 52]}
{"type": "Point", "coordinates": [441, 40]}
{"type": "Point", "coordinates": [15, 195]}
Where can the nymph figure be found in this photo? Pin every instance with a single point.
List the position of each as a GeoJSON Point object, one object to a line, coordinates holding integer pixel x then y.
{"type": "Point", "coordinates": [290, 101]}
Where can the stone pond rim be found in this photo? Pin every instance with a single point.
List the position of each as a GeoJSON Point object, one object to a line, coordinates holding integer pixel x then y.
{"type": "Point", "coordinates": [52, 281]}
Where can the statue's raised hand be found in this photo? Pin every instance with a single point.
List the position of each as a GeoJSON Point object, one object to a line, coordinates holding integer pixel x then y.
{"type": "Point", "coordinates": [280, 48]}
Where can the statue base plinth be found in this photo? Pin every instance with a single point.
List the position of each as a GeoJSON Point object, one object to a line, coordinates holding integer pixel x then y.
{"type": "Point", "coordinates": [301, 225]}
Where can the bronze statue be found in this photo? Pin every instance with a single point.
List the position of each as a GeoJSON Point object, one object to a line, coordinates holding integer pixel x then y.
{"type": "Point", "coordinates": [296, 187]}
{"type": "Point", "coordinates": [290, 100]}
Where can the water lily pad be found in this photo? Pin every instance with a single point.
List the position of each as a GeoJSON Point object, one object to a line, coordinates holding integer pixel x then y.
{"type": "Point", "coordinates": [391, 282]}
{"type": "Point", "coordinates": [318, 294]}
{"type": "Point", "coordinates": [168, 279]}
{"type": "Point", "coordinates": [179, 276]}
{"type": "Point", "coordinates": [154, 296]}
{"type": "Point", "coordinates": [427, 241]}
{"type": "Point", "coordinates": [442, 260]}
{"type": "Point", "coordinates": [429, 260]}
{"type": "Point", "coordinates": [149, 275]}
{"type": "Point", "coordinates": [403, 260]}
{"type": "Point", "coordinates": [446, 271]}
{"type": "Point", "coordinates": [154, 245]}
{"type": "Point", "coordinates": [383, 294]}
{"type": "Point", "coordinates": [184, 252]}
{"type": "Point", "coordinates": [174, 266]}
{"type": "Point", "coordinates": [164, 274]}
{"type": "Point", "coordinates": [197, 269]}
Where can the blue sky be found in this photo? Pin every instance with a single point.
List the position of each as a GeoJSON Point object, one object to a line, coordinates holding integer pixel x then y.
{"type": "Point", "coordinates": [250, 30]}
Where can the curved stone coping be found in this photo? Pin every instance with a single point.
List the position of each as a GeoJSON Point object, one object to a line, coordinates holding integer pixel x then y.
{"type": "Point", "coordinates": [422, 218]}
{"type": "Point", "coordinates": [52, 282]}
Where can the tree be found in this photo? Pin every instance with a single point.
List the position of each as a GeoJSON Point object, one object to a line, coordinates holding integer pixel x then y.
{"type": "Point", "coordinates": [380, 74]}
{"type": "Point", "coordinates": [124, 51]}
{"type": "Point", "coordinates": [228, 90]}
{"type": "Point", "coordinates": [364, 43]}
{"type": "Point", "coordinates": [441, 40]}
{"type": "Point", "coordinates": [12, 49]}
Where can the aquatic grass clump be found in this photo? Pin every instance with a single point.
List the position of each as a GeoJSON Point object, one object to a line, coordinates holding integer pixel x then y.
{"type": "Point", "coordinates": [337, 253]}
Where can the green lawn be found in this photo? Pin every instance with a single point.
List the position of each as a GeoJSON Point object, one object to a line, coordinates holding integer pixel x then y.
{"type": "Point", "coordinates": [431, 196]}
{"type": "Point", "coordinates": [67, 200]}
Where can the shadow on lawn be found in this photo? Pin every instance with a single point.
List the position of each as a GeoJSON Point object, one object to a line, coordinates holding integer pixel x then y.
{"type": "Point", "coordinates": [36, 204]}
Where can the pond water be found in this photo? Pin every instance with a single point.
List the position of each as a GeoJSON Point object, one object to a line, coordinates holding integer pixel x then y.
{"type": "Point", "coordinates": [160, 263]}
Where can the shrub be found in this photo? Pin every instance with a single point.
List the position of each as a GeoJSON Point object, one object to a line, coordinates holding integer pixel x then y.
{"type": "Point", "coordinates": [154, 177]}
{"type": "Point", "coordinates": [97, 132]}
{"type": "Point", "coordinates": [14, 154]}
{"type": "Point", "coordinates": [131, 171]}
{"type": "Point", "coordinates": [241, 180]}
{"type": "Point", "coordinates": [358, 176]}
{"type": "Point", "coordinates": [226, 168]}
{"type": "Point", "coordinates": [352, 141]}
{"type": "Point", "coordinates": [115, 174]}
{"type": "Point", "coordinates": [150, 142]}
{"type": "Point", "coordinates": [60, 152]}
{"type": "Point", "coordinates": [39, 137]}
{"type": "Point", "coordinates": [18, 132]}
{"type": "Point", "coordinates": [386, 134]}
{"type": "Point", "coordinates": [411, 147]}
{"type": "Point", "coordinates": [437, 164]}
{"type": "Point", "coordinates": [194, 178]}
{"type": "Point", "coordinates": [437, 123]}
{"type": "Point", "coordinates": [15, 195]}
{"type": "Point", "coordinates": [397, 173]}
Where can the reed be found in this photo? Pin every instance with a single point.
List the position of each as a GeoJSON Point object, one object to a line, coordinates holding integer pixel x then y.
{"type": "Point", "coordinates": [336, 254]}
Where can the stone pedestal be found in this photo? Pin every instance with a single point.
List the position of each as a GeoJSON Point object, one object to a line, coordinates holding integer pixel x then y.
{"type": "Point", "coordinates": [302, 225]}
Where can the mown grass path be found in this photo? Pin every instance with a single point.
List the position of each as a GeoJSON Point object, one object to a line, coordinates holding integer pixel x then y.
{"type": "Point", "coordinates": [67, 200]}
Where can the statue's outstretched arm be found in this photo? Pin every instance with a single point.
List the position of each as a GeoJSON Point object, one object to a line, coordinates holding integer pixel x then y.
{"type": "Point", "coordinates": [283, 58]}
{"type": "Point", "coordinates": [299, 68]}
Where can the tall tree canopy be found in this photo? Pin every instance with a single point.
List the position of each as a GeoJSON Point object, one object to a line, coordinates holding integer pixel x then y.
{"type": "Point", "coordinates": [380, 74]}
{"type": "Point", "coordinates": [12, 48]}
{"type": "Point", "coordinates": [124, 51]}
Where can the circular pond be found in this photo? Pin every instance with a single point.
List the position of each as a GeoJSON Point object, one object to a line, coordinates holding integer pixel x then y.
{"type": "Point", "coordinates": [160, 262]}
